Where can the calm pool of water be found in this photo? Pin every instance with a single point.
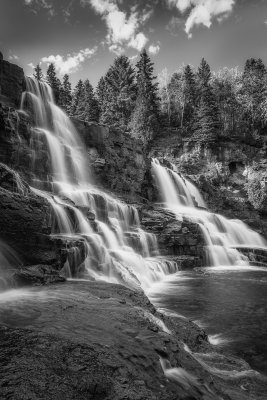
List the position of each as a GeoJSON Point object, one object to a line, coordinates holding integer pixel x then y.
{"type": "Point", "coordinates": [230, 303]}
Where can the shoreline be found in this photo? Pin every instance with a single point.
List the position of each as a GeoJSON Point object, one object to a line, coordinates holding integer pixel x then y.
{"type": "Point", "coordinates": [126, 337]}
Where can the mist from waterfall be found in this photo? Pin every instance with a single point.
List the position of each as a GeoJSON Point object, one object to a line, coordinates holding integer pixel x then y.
{"type": "Point", "coordinates": [117, 249]}
{"type": "Point", "coordinates": [222, 236]}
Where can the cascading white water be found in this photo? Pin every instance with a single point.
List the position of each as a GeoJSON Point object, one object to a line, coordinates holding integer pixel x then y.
{"type": "Point", "coordinates": [9, 261]}
{"type": "Point", "coordinates": [222, 236]}
{"type": "Point", "coordinates": [110, 245]}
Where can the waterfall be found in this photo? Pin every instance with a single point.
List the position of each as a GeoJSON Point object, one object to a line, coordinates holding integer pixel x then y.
{"type": "Point", "coordinates": [222, 236]}
{"type": "Point", "coordinates": [117, 249]}
{"type": "Point", "coordinates": [9, 261]}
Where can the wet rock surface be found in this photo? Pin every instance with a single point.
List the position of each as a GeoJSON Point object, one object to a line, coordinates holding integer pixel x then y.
{"type": "Point", "coordinates": [118, 160]}
{"type": "Point", "coordinates": [26, 222]}
{"type": "Point", "coordinates": [179, 237]}
{"type": "Point", "coordinates": [93, 340]}
{"type": "Point", "coordinates": [18, 144]}
{"type": "Point", "coordinates": [36, 275]}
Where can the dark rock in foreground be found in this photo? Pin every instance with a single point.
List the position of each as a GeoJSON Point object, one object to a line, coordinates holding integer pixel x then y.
{"type": "Point", "coordinates": [93, 340]}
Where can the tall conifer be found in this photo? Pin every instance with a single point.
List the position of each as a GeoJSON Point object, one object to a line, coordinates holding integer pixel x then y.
{"type": "Point", "coordinates": [65, 97]}
{"type": "Point", "coordinates": [117, 93]}
{"type": "Point", "coordinates": [53, 81]}
{"type": "Point", "coordinates": [145, 118]}
{"type": "Point", "coordinates": [87, 106]}
{"type": "Point", "coordinates": [76, 97]}
{"type": "Point", "coordinates": [38, 74]}
{"type": "Point", "coordinates": [207, 121]}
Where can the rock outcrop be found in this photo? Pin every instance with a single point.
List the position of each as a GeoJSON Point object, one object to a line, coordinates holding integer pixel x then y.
{"type": "Point", "coordinates": [26, 222]}
{"type": "Point", "coordinates": [181, 238]}
{"type": "Point", "coordinates": [118, 160]}
{"type": "Point", "coordinates": [94, 340]}
{"type": "Point", "coordinates": [11, 83]}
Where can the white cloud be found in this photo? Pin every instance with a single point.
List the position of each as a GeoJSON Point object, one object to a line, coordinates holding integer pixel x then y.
{"type": "Point", "coordinates": [202, 12]}
{"type": "Point", "coordinates": [31, 65]}
{"type": "Point", "coordinates": [138, 42]}
{"type": "Point", "coordinates": [13, 57]}
{"type": "Point", "coordinates": [154, 49]}
{"type": "Point", "coordinates": [71, 63]}
{"type": "Point", "coordinates": [122, 29]}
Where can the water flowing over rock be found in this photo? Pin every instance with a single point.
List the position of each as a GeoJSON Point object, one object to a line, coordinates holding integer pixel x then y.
{"type": "Point", "coordinates": [222, 236]}
{"type": "Point", "coordinates": [117, 249]}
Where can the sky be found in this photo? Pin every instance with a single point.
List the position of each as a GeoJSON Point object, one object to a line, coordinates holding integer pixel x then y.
{"type": "Point", "coordinates": [82, 37]}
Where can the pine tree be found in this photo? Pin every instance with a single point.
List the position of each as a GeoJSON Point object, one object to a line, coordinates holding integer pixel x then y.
{"type": "Point", "coordinates": [189, 97]}
{"type": "Point", "coordinates": [145, 119]}
{"type": "Point", "coordinates": [107, 100]}
{"type": "Point", "coordinates": [100, 93]}
{"type": "Point", "coordinates": [205, 127]}
{"type": "Point", "coordinates": [146, 87]}
{"type": "Point", "coordinates": [38, 74]}
{"type": "Point", "coordinates": [65, 97]}
{"type": "Point", "coordinates": [76, 97]}
{"type": "Point", "coordinates": [144, 123]}
{"type": "Point", "coordinates": [207, 121]}
{"type": "Point", "coordinates": [87, 107]}
{"type": "Point", "coordinates": [117, 93]}
{"type": "Point", "coordinates": [204, 73]}
{"type": "Point", "coordinates": [53, 81]}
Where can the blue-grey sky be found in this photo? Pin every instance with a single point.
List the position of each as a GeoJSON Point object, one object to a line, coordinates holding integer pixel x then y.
{"type": "Point", "coordinates": [82, 37]}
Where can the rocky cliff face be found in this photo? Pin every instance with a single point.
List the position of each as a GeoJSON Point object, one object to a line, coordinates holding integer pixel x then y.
{"type": "Point", "coordinates": [119, 161]}
{"type": "Point", "coordinates": [11, 83]}
{"type": "Point", "coordinates": [18, 145]}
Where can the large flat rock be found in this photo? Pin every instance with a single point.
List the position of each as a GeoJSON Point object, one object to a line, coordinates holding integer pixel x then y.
{"type": "Point", "coordinates": [95, 340]}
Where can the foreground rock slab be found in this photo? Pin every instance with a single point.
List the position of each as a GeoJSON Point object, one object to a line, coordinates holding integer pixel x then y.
{"type": "Point", "coordinates": [94, 340]}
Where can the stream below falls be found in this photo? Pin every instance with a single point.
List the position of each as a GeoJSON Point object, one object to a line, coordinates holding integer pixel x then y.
{"type": "Point", "coordinates": [230, 303]}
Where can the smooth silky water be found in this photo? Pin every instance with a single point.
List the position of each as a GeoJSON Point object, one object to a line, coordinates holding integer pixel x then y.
{"type": "Point", "coordinates": [228, 297]}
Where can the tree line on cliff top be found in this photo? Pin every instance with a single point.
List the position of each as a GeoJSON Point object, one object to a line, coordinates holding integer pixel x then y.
{"type": "Point", "coordinates": [201, 105]}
